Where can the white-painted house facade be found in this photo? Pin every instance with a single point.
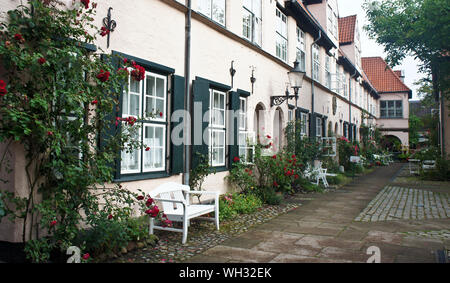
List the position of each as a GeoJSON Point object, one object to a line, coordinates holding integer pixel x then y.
{"type": "Point", "coordinates": [260, 40]}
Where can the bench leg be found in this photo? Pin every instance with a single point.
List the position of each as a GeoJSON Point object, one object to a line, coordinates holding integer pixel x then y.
{"type": "Point", "coordinates": [151, 226]}
{"type": "Point", "coordinates": [185, 230]}
{"type": "Point", "coordinates": [217, 218]}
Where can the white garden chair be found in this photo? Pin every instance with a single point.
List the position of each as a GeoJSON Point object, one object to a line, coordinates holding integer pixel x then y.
{"type": "Point", "coordinates": [429, 165]}
{"type": "Point", "coordinates": [175, 204]}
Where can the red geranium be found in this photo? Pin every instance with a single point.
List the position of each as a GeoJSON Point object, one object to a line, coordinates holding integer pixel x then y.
{"type": "Point", "coordinates": [86, 3]}
{"type": "Point", "coordinates": [236, 159]}
{"type": "Point", "coordinates": [103, 76]}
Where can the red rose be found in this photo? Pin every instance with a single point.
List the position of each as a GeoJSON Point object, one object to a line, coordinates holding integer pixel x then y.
{"type": "Point", "coordinates": [50, 133]}
{"type": "Point", "coordinates": [53, 223]}
{"type": "Point", "coordinates": [160, 114]}
{"type": "Point", "coordinates": [275, 184]}
{"type": "Point", "coordinates": [125, 60]}
{"type": "Point", "coordinates": [140, 197]}
{"type": "Point", "coordinates": [94, 102]}
{"type": "Point", "coordinates": [103, 76]}
{"type": "Point", "coordinates": [236, 159]}
{"type": "Point", "coordinates": [110, 216]}
{"type": "Point", "coordinates": [269, 137]}
{"type": "Point", "coordinates": [147, 149]}
{"type": "Point", "coordinates": [138, 74]}
{"type": "Point", "coordinates": [18, 37]}
{"type": "Point", "coordinates": [3, 90]}
{"type": "Point", "coordinates": [296, 176]}
{"type": "Point", "coordinates": [274, 157]}
{"type": "Point", "coordinates": [104, 31]}
{"type": "Point", "coordinates": [86, 256]}
{"type": "Point", "coordinates": [42, 60]}
{"type": "Point", "coordinates": [149, 202]}
{"type": "Point", "coordinates": [154, 212]}
{"type": "Point", "coordinates": [86, 3]}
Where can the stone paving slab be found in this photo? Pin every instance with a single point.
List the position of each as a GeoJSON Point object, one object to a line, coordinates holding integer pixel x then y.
{"type": "Point", "coordinates": [394, 203]}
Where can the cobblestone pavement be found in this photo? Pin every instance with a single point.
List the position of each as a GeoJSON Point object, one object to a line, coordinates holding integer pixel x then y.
{"type": "Point", "coordinates": [405, 203]}
{"type": "Point", "coordinates": [323, 228]}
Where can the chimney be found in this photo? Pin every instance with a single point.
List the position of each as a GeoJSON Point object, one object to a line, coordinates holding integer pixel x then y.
{"type": "Point", "coordinates": [400, 74]}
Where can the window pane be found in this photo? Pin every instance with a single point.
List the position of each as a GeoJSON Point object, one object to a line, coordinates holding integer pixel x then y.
{"type": "Point", "coordinates": [204, 6]}
{"type": "Point", "coordinates": [150, 86]}
{"type": "Point", "coordinates": [218, 11]}
{"type": "Point", "coordinates": [134, 105]}
{"type": "Point", "coordinates": [159, 87]}
{"type": "Point", "coordinates": [159, 107]}
{"type": "Point", "coordinates": [125, 104]}
{"type": "Point", "coordinates": [134, 86]}
{"type": "Point", "coordinates": [159, 137]}
{"type": "Point", "coordinates": [149, 105]}
{"type": "Point", "coordinates": [247, 19]}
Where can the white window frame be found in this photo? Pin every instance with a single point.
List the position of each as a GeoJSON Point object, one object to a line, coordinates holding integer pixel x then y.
{"type": "Point", "coordinates": [281, 41]}
{"type": "Point", "coordinates": [395, 109]}
{"type": "Point", "coordinates": [250, 141]}
{"type": "Point", "coordinates": [254, 24]}
{"type": "Point", "coordinates": [157, 117]}
{"type": "Point", "coordinates": [217, 128]}
{"type": "Point", "coordinates": [329, 143]}
{"type": "Point", "coordinates": [153, 147]}
{"type": "Point", "coordinates": [316, 63]}
{"type": "Point", "coordinates": [304, 124]}
{"type": "Point", "coordinates": [328, 71]}
{"type": "Point", "coordinates": [206, 7]}
{"type": "Point", "coordinates": [301, 48]}
{"type": "Point", "coordinates": [319, 127]}
{"type": "Point", "coordinates": [157, 121]}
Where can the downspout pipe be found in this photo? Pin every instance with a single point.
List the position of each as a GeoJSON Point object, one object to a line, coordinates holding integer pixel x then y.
{"type": "Point", "coordinates": [350, 105]}
{"type": "Point", "coordinates": [187, 94]}
{"type": "Point", "coordinates": [312, 121]}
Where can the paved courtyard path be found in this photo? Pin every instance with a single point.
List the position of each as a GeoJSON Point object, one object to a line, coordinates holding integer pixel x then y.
{"type": "Point", "coordinates": [406, 223]}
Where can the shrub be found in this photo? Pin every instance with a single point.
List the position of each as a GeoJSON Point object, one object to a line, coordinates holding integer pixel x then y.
{"type": "Point", "coordinates": [441, 173]}
{"type": "Point", "coordinates": [231, 205]}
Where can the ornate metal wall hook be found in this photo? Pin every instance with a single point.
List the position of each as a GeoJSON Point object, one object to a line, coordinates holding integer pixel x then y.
{"type": "Point", "coordinates": [109, 24]}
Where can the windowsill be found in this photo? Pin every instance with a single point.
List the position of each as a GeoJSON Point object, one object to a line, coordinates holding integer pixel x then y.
{"type": "Point", "coordinates": [141, 176]}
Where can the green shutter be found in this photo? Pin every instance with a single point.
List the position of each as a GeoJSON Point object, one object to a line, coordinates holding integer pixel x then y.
{"type": "Point", "coordinates": [200, 95]}
{"type": "Point", "coordinates": [110, 130]}
{"type": "Point", "coordinates": [233, 150]}
{"type": "Point", "coordinates": [176, 151]}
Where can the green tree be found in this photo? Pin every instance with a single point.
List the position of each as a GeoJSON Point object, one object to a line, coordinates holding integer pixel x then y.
{"type": "Point", "coordinates": [420, 28]}
{"type": "Point", "coordinates": [415, 124]}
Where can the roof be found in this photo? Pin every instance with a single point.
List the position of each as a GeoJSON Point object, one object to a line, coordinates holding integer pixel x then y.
{"type": "Point", "coordinates": [382, 76]}
{"type": "Point", "coordinates": [347, 26]}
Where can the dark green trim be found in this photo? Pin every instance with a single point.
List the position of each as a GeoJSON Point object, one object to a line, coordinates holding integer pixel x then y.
{"type": "Point", "coordinates": [214, 85]}
{"type": "Point", "coordinates": [243, 93]}
{"type": "Point", "coordinates": [150, 66]}
{"type": "Point", "coordinates": [220, 169]}
{"type": "Point", "coordinates": [141, 176]}
{"type": "Point", "coordinates": [303, 110]}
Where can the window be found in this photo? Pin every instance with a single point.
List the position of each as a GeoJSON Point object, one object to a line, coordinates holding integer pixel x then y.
{"type": "Point", "coordinates": [301, 53]}
{"type": "Point", "coordinates": [246, 138]}
{"type": "Point", "coordinates": [290, 115]}
{"type": "Point", "coordinates": [391, 109]}
{"type": "Point", "coordinates": [316, 64]}
{"type": "Point", "coordinates": [281, 36]}
{"type": "Point", "coordinates": [319, 125]}
{"type": "Point", "coordinates": [332, 22]}
{"type": "Point", "coordinates": [327, 71]}
{"type": "Point", "coordinates": [328, 146]}
{"type": "Point", "coordinates": [344, 85]}
{"type": "Point", "coordinates": [217, 128]}
{"type": "Point", "coordinates": [252, 21]}
{"type": "Point", "coordinates": [142, 99]}
{"type": "Point", "coordinates": [304, 124]}
{"type": "Point", "coordinates": [214, 9]}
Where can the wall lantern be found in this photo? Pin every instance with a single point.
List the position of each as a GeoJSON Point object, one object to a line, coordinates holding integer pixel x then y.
{"type": "Point", "coordinates": [252, 78]}
{"type": "Point", "coordinates": [296, 76]}
{"type": "Point", "coordinates": [232, 73]}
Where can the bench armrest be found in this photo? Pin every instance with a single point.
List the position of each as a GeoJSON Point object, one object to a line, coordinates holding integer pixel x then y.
{"type": "Point", "coordinates": [170, 200]}
{"type": "Point", "coordinates": [203, 192]}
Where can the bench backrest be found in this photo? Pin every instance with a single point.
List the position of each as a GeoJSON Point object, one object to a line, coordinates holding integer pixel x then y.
{"type": "Point", "coordinates": [173, 191]}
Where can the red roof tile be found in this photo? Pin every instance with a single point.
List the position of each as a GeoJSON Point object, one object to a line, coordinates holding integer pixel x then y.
{"type": "Point", "coordinates": [347, 27]}
{"type": "Point", "coordinates": [381, 75]}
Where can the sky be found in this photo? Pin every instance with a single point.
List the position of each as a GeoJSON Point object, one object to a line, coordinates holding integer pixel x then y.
{"type": "Point", "coordinates": [370, 48]}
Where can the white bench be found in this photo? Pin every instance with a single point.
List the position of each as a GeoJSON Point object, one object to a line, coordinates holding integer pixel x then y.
{"type": "Point", "coordinates": [429, 165]}
{"type": "Point", "coordinates": [318, 173]}
{"type": "Point", "coordinates": [174, 198]}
